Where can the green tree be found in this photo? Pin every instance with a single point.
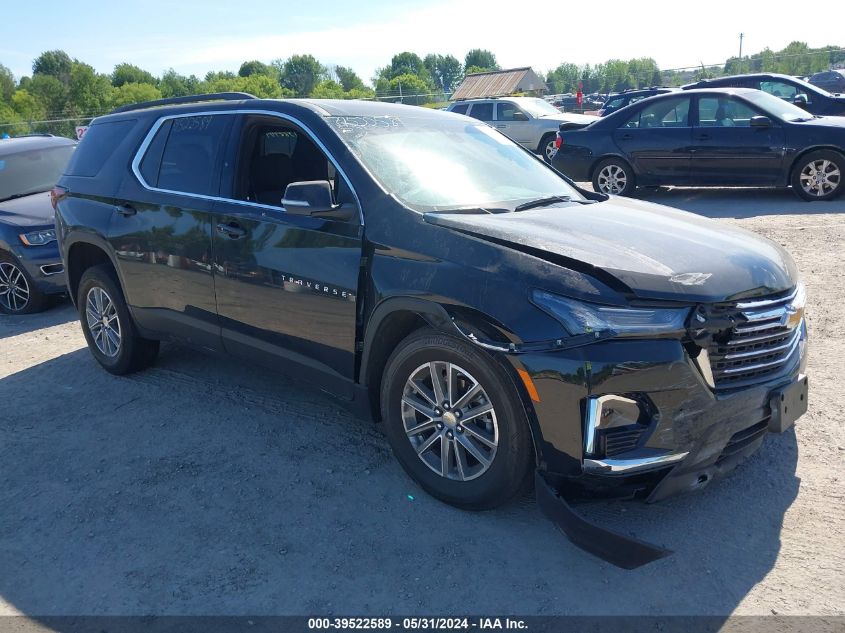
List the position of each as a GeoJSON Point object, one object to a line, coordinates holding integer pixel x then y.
{"type": "Point", "coordinates": [129, 74]}
{"type": "Point", "coordinates": [214, 75]}
{"type": "Point", "coordinates": [472, 70]}
{"type": "Point", "coordinates": [28, 106]}
{"type": "Point", "coordinates": [480, 58]}
{"type": "Point", "coordinates": [172, 84]}
{"type": "Point", "coordinates": [260, 86]}
{"type": "Point", "coordinates": [445, 70]}
{"type": "Point", "coordinates": [301, 74]}
{"type": "Point", "coordinates": [406, 64]}
{"type": "Point", "coordinates": [134, 93]}
{"type": "Point", "coordinates": [410, 88]}
{"type": "Point", "coordinates": [11, 122]}
{"type": "Point", "coordinates": [50, 91]}
{"type": "Point", "coordinates": [348, 78]}
{"type": "Point", "coordinates": [328, 89]}
{"type": "Point", "coordinates": [564, 78]}
{"type": "Point", "coordinates": [89, 93]}
{"type": "Point", "coordinates": [54, 63]}
{"type": "Point", "coordinates": [256, 67]}
{"type": "Point", "coordinates": [7, 83]}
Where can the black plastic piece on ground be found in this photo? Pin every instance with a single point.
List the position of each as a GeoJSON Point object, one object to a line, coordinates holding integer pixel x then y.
{"type": "Point", "coordinates": [617, 549]}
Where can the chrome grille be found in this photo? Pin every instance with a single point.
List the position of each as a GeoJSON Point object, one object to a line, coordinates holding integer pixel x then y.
{"type": "Point", "coordinates": [759, 347]}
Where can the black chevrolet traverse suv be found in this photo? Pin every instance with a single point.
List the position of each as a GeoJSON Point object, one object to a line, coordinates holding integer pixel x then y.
{"type": "Point", "coordinates": [424, 267]}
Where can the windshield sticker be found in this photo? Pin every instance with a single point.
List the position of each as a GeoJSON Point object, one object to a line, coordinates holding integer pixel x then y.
{"type": "Point", "coordinates": [346, 124]}
{"type": "Point", "coordinates": [192, 123]}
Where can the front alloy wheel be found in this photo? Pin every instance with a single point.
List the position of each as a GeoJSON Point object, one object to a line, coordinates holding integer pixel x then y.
{"type": "Point", "coordinates": [14, 288]}
{"type": "Point", "coordinates": [103, 321]}
{"type": "Point", "coordinates": [450, 421]}
{"type": "Point", "coordinates": [455, 421]}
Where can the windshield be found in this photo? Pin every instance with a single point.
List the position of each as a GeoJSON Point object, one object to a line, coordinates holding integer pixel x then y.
{"type": "Point", "coordinates": [537, 107]}
{"type": "Point", "coordinates": [448, 164]}
{"type": "Point", "coordinates": [32, 171]}
{"type": "Point", "coordinates": [777, 106]}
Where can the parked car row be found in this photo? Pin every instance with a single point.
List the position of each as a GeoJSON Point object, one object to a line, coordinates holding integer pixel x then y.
{"type": "Point", "coordinates": [709, 136]}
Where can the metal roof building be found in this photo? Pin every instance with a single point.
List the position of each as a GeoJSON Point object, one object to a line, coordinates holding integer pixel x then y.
{"type": "Point", "coordinates": [499, 83]}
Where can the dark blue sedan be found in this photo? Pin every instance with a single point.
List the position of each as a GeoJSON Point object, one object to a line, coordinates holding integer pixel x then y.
{"type": "Point", "coordinates": [30, 266]}
{"type": "Point", "coordinates": [715, 137]}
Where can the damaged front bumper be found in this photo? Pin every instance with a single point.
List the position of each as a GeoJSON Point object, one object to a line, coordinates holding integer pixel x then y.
{"type": "Point", "coordinates": [637, 419]}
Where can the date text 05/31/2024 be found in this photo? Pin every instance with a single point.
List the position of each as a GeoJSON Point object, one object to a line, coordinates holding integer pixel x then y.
{"type": "Point", "coordinates": [482, 624]}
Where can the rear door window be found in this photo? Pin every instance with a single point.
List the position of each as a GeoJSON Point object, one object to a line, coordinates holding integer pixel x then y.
{"type": "Point", "coordinates": [482, 111]}
{"type": "Point", "coordinates": [779, 89]}
{"type": "Point", "coordinates": [185, 153]}
{"type": "Point", "coordinates": [662, 114]}
{"type": "Point", "coordinates": [461, 109]}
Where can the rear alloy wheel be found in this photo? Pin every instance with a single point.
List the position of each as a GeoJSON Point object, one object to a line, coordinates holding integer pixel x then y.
{"type": "Point", "coordinates": [107, 326]}
{"type": "Point", "coordinates": [18, 294]}
{"type": "Point", "coordinates": [614, 177]}
{"type": "Point", "coordinates": [818, 175]}
{"type": "Point", "coordinates": [547, 147]}
{"type": "Point", "coordinates": [455, 421]}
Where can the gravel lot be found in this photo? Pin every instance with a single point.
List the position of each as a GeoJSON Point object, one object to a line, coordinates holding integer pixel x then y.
{"type": "Point", "coordinates": [204, 486]}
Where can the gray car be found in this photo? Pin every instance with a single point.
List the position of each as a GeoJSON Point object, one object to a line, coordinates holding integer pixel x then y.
{"type": "Point", "coordinates": [530, 121]}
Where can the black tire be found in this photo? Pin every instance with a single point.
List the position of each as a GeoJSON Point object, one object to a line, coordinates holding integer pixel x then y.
{"type": "Point", "coordinates": [809, 177]}
{"type": "Point", "coordinates": [18, 292]}
{"type": "Point", "coordinates": [546, 147]}
{"type": "Point", "coordinates": [609, 173]}
{"type": "Point", "coordinates": [133, 352]}
{"type": "Point", "coordinates": [509, 471]}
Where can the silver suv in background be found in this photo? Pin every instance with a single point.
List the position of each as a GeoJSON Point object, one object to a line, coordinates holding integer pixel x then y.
{"type": "Point", "coordinates": [530, 121]}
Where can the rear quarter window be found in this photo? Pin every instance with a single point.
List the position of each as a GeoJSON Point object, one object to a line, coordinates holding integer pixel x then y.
{"type": "Point", "coordinates": [95, 148]}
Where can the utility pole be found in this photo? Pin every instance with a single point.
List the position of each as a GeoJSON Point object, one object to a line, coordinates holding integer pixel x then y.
{"type": "Point", "coordinates": [741, 36]}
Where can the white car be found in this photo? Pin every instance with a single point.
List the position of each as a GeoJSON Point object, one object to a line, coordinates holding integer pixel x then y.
{"type": "Point", "coordinates": [530, 121]}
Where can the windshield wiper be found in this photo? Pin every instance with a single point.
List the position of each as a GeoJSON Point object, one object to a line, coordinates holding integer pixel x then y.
{"type": "Point", "coordinates": [468, 211]}
{"type": "Point", "coordinates": [542, 202]}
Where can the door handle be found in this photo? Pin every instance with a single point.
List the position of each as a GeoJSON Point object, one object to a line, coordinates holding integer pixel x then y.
{"type": "Point", "coordinates": [702, 137]}
{"type": "Point", "coordinates": [126, 210]}
{"type": "Point", "coordinates": [231, 230]}
{"type": "Point", "coordinates": [502, 127]}
{"type": "Point", "coordinates": [627, 137]}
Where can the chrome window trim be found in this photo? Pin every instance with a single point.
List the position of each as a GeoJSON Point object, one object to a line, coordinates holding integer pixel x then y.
{"type": "Point", "coordinates": [148, 139]}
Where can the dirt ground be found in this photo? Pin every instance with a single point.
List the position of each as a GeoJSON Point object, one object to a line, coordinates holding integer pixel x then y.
{"type": "Point", "coordinates": [205, 486]}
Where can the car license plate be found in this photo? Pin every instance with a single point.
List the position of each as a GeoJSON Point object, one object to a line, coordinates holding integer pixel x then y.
{"type": "Point", "coordinates": [788, 404]}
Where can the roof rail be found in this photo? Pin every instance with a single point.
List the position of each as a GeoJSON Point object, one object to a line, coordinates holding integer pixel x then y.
{"type": "Point", "coordinates": [214, 96]}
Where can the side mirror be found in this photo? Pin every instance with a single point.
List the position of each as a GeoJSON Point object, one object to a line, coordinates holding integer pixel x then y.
{"type": "Point", "coordinates": [761, 121]}
{"type": "Point", "coordinates": [520, 116]}
{"type": "Point", "coordinates": [314, 198]}
{"type": "Point", "coordinates": [800, 100]}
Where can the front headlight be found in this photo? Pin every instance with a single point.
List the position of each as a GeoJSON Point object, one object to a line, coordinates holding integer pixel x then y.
{"type": "Point", "coordinates": [579, 317]}
{"type": "Point", "coordinates": [38, 238]}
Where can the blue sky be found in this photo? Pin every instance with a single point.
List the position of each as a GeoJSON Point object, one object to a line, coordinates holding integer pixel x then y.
{"type": "Point", "coordinates": [194, 36]}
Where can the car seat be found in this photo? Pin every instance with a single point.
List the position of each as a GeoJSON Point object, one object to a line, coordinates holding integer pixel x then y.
{"type": "Point", "coordinates": [271, 174]}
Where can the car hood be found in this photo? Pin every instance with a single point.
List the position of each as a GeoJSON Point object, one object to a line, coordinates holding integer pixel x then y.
{"type": "Point", "coordinates": [656, 252]}
{"type": "Point", "coordinates": [34, 210]}
{"type": "Point", "coordinates": [825, 121]}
